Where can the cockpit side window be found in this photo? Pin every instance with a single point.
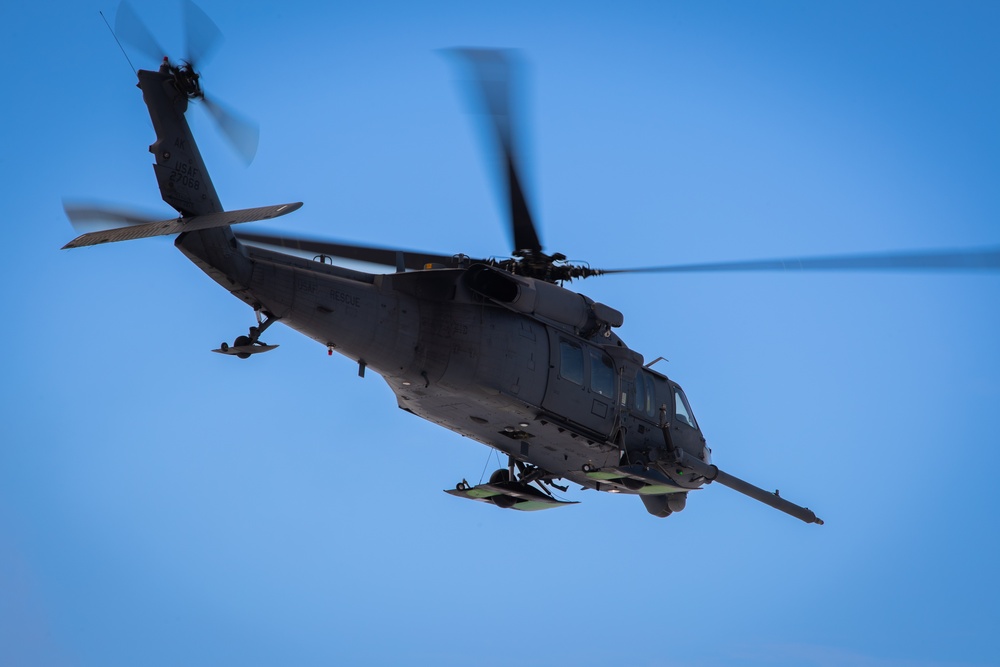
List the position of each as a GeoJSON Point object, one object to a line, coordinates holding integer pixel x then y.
{"type": "Point", "coordinates": [682, 411]}
{"type": "Point", "coordinates": [571, 362]}
{"type": "Point", "coordinates": [602, 374]}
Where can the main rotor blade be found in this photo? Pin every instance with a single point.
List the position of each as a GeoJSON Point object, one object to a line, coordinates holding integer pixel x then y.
{"type": "Point", "coordinates": [243, 134]}
{"type": "Point", "coordinates": [130, 29]}
{"type": "Point", "coordinates": [201, 35]}
{"type": "Point", "coordinates": [411, 259]}
{"type": "Point", "coordinates": [493, 75]}
{"type": "Point", "coordinates": [972, 259]}
{"type": "Point", "coordinates": [83, 215]}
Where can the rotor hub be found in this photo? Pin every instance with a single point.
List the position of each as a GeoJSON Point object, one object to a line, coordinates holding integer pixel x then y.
{"type": "Point", "coordinates": [186, 79]}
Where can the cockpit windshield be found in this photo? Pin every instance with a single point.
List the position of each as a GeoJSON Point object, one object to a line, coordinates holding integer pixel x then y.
{"type": "Point", "coordinates": [682, 411]}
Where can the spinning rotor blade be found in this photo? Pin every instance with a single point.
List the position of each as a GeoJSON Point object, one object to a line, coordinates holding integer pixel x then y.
{"type": "Point", "coordinates": [130, 28]}
{"type": "Point", "coordinates": [202, 37]}
{"type": "Point", "coordinates": [89, 216]}
{"type": "Point", "coordinates": [493, 74]}
{"type": "Point", "coordinates": [975, 259]}
{"type": "Point", "coordinates": [242, 133]}
{"type": "Point", "coordinates": [411, 259]}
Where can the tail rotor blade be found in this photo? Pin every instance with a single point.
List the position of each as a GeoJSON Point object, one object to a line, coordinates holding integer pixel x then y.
{"type": "Point", "coordinates": [130, 29]}
{"type": "Point", "coordinates": [201, 34]}
{"type": "Point", "coordinates": [88, 216]}
{"type": "Point", "coordinates": [243, 134]}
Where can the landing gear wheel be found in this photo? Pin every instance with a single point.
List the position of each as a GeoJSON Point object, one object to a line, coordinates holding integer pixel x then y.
{"type": "Point", "coordinates": [503, 502]}
{"type": "Point", "coordinates": [502, 476]}
{"type": "Point", "coordinates": [631, 484]}
{"type": "Point", "coordinates": [240, 342]}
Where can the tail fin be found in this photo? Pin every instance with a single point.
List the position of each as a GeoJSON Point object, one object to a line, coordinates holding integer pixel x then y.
{"type": "Point", "coordinates": [180, 171]}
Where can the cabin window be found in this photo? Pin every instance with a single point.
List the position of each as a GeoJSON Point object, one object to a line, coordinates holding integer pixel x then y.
{"type": "Point", "coordinates": [682, 411]}
{"type": "Point", "coordinates": [642, 400]}
{"type": "Point", "coordinates": [645, 395]}
{"type": "Point", "coordinates": [602, 374]}
{"type": "Point", "coordinates": [571, 362]}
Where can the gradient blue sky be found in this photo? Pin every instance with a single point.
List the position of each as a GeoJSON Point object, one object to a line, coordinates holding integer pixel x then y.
{"type": "Point", "coordinates": [162, 505]}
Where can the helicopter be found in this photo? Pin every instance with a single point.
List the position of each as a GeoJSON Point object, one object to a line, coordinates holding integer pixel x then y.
{"type": "Point", "coordinates": [498, 350]}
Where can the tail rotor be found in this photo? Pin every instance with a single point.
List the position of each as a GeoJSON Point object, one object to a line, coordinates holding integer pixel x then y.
{"type": "Point", "coordinates": [202, 38]}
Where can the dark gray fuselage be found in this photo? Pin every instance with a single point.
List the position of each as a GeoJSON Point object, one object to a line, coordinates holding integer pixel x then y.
{"type": "Point", "coordinates": [539, 385]}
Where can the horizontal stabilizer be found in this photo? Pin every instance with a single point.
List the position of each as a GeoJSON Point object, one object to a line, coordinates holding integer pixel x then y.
{"type": "Point", "coordinates": [513, 495]}
{"type": "Point", "coordinates": [177, 225]}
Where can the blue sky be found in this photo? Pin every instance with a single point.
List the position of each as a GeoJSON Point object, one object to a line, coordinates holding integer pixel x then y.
{"type": "Point", "coordinates": [162, 505]}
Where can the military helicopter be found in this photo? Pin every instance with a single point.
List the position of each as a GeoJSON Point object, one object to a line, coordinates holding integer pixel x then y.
{"type": "Point", "coordinates": [500, 351]}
